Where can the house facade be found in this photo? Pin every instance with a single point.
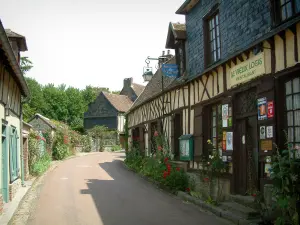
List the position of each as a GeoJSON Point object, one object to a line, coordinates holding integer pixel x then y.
{"type": "Point", "coordinates": [12, 87]}
{"type": "Point", "coordinates": [42, 124]}
{"type": "Point", "coordinates": [239, 86]}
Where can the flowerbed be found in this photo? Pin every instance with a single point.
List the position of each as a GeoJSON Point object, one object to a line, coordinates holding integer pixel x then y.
{"type": "Point", "coordinates": [158, 167]}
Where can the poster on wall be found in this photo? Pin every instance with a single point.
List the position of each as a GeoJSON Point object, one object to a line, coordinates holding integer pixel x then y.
{"type": "Point", "coordinates": [262, 132]}
{"type": "Point", "coordinates": [225, 115]}
{"type": "Point", "coordinates": [229, 158]}
{"type": "Point", "coordinates": [230, 121]}
{"type": "Point", "coordinates": [269, 131]}
{"type": "Point", "coordinates": [224, 135]}
{"type": "Point", "coordinates": [270, 109]}
{"type": "Point", "coordinates": [262, 108]}
{"type": "Point", "coordinates": [224, 145]}
{"type": "Point", "coordinates": [229, 141]}
{"type": "Point", "coordinates": [224, 158]}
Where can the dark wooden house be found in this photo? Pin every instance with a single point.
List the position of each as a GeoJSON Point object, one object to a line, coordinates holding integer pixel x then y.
{"type": "Point", "coordinates": [240, 89]}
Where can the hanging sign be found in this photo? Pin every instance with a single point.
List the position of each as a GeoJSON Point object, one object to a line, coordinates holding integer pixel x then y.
{"type": "Point", "coordinates": [270, 109]}
{"type": "Point", "coordinates": [170, 70]}
{"type": "Point", "coordinates": [262, 108]}
{"type": "Point", "coordinates": [247, 70]}
{"type": "Point", "coordinates": [266, 145]}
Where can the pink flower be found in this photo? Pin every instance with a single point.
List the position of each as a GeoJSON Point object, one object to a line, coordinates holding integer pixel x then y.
{"type": "Point", "coordinates": [155, 134]}
{"type": "Point", "coordinates": [178, 168]}
{"type": "Point", "coordinates": [188, 189]}
{"type": "Point", "coordinates": [166, 160]}
{"type": "Point", "coordinates": [159, 148]}
{"type": "Point", "coordinates": [206, 179]}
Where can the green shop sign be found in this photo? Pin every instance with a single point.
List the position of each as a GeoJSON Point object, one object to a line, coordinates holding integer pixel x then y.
{"type": "Point", "coordinates": [247, 70]}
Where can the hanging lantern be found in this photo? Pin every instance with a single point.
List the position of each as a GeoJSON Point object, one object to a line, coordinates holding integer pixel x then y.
{"type": "Point", "coordinates": [147, 71]}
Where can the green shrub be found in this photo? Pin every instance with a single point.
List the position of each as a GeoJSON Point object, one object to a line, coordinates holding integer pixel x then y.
{"type": "Point", "coordinates": [116, 148]}
{"type": "Point", "coordinates": [60, 151]}
{"type": "Point", "coordinates": [41, 165]}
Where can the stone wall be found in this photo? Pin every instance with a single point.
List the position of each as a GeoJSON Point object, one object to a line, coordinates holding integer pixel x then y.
{"type": "Point", "coordinates": [241, 23]}
{"type": "Point", "coordinates": [13, 188]}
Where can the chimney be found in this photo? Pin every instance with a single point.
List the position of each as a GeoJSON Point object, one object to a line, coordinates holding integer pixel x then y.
{"type": "Point", "coordinates": [128, 82]}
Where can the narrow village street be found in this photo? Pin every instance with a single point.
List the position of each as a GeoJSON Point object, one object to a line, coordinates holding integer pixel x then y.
{"type": "Point", "coordinates": [97, 189]}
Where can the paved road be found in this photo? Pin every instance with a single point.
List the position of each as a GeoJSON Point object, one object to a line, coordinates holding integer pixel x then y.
{"type": "Point", "coordinates": [97, 189]}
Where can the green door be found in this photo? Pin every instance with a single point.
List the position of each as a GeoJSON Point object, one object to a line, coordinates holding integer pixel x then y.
{"type": "Point", "coordinates": [4, 164]}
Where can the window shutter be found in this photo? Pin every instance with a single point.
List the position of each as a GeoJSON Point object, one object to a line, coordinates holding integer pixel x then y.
{"type": "Point", "coordinates": [11, 154]}
{"type": "Point", "coordinates": [198, 131]}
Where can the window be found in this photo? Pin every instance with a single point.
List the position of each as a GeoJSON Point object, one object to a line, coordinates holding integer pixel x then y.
{"type": "Point", "coordinates": [213, 51]}
{"type": "Point", "coordinates": [180, 58]}
{"type": "Point", "coordinates": [13, 154]}
{"type": "Point", "coordinates": [285, 9]}
{"type": "Point", "coordinates": [216, 127]}
{"type": "Point", "coordinates": [292, 111]}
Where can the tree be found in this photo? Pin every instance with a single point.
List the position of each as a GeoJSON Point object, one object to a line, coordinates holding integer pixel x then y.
{"type": "Point", "coordinates": [76, 107]}
{"type": "Point", "coordinates": [116, 92]}
{"type": "Point", "coordinates": [26, 65]}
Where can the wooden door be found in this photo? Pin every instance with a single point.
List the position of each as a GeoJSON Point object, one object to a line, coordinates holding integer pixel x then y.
{"type": "Point", "coordinates": [176, 133]}
{"type": "Point", "coordinates": [240, 158]}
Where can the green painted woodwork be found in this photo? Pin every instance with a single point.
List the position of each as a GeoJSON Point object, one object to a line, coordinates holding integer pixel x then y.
{"type": "Point", "coordinates": [186, 147]}
{"type": "Point", "coordinates": [13, 154]}
{"type": "Point", "coordinates": [5, 192]}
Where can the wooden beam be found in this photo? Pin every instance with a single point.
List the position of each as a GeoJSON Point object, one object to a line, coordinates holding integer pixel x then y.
{"type": "Point", "coordinates": [240, 57]}
{"type": "Point", "coordinates": [273, 57]}
{"type": "Point", "coordinates": [224, 78]}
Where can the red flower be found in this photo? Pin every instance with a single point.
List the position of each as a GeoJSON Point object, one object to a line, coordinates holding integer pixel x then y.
{"type": "Point", "coordinates": [166, 160]}
{"type": "Point", "coordinates": [178, 168]}
{"type": "Point", "coordinates": [206, 179]}
{"type": "Point", "coordinates": [155, 134]}
{"type": "Point", "coordinates": [254, 195]}
{"type": "Point", "coordinates": [159, 148]}
{"type": "Point", "coordinates": [165, 174]}
{"type": "Point", "coordinates": [188, 189]}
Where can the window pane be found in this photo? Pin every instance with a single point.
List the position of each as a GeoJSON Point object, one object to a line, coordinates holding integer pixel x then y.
{"type": "Point", "coordinates": [297, 118]}
{"type": "Point", "coordinates": [219, 53]}
{"type": "Point", "coordinates": [283, 14]}
{"type": "Point", "coordinates": [214, 142]}
{"type": "Point", "coordinates": [289, 103]}
{"type": "Point", "coordinates": [297, 6]}
{"type": "Point", "coordinates": [212, 23]}
{"type": "Point", "coordinates": [282, 2]}
{"type": "Point", "coordinates": [214, 110]}
{"type": "Point", "coordinates": [291, 134]}
{"type": "Point", "coordinates": [218, 31]}
{"type": "Point", "coordinates": [217, 19]}
{"type": "Point", "coordinates": [296, 85]}
{"type": "Point", "coordinates": [290, 120]}
{"type": "Point", "coordinates": [288, 88]}
{"type": "Point", "coordinates": [212, 46]}
{"type": "Point", "coordinates": [214, 132]}
{"type": "Point", "coordinates": [297, 134]}
{"type": "Point", "coordinates": [215, 56]}
{"type": "Point", "coordinates": [289, 10]}
{"type": "Point", "coordinates": [297, 101]}
{"type": "Point", "coordinates": [214, 121]}
{"type": "Point", "coordinates": [215, 47]}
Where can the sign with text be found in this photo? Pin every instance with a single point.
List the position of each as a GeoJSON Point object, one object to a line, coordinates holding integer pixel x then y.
{"type": "Point", "coordinates": [247, 70]}
{"type": "Point", "coordinates": [170, 70]}
{"type": "Point", "coordinates": [270, 109]}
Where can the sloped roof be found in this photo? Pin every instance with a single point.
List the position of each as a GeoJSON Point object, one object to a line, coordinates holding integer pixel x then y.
{"type": "Point", "coordinates": [21, 39]}
{"type": "Point", "coordinates": [12, 60]}
{"type": "Point", "coordinates": [45, 119]}
{"type": "Point", "coordinates": [154, 87]}
{"type": "Point", "coordinates": [187, 6]}
{"type": "Point", "coordinates": [137, 88]}
{"type": "Point", "coordinates": [120, 102]}
{"type": "Point", "coordinates": [176, 31]}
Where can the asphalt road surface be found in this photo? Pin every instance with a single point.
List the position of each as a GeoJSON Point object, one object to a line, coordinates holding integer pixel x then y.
{"type": "Point", "coordinates": [97, 189]}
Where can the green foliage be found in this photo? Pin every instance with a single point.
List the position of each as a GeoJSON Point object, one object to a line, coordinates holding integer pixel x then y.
{"type": "Point", "coordinates": [38, 161]}
{"type": "Point", "coordinates": [86, 143]}
{"type": "Point", "coordinates": [26, 65]}
{"type": "Point", "coordinates": [61, 148]}
{"type": "Point", "coordinates": [60, 151]}
{"type": "Point", "coordinates": [285, 176]}
{"type": "Point", "coordinates": [116, 148]}
{"type": "Point", "coordinates": [158, 167]}
{"type": "Point", "coordinates": [41, 165]}
{"type": "Point", "coordinates": [100, 134]}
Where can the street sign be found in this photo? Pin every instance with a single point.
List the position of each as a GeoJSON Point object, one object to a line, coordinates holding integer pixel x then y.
{"type": "Point", "coordinates": [170, 70]}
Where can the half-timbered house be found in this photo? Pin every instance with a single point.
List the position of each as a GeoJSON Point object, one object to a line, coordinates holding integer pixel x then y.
{"type": "Point", "coordinates": [240, 88]}
{"type": "Point", "coordinates": [12, 87]}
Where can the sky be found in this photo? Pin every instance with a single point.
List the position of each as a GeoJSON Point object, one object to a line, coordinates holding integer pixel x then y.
{"type": "Point", "coordinates": [90, 42]}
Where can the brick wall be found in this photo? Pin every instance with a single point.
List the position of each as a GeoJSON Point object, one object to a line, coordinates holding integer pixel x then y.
{"type": "Point", "coordinates": [13, 188]}
{"type": "Point", "coordinates": [241, 23]}
{"type": "Point", "coordinates": [1, 204]}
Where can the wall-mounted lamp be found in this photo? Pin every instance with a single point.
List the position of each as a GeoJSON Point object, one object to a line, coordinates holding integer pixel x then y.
{"type": "Point", "coordinates": [7, 110]}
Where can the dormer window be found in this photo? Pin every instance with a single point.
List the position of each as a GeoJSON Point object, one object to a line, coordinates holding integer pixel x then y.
{"type": "Point", "coordinates": [283, 10]}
